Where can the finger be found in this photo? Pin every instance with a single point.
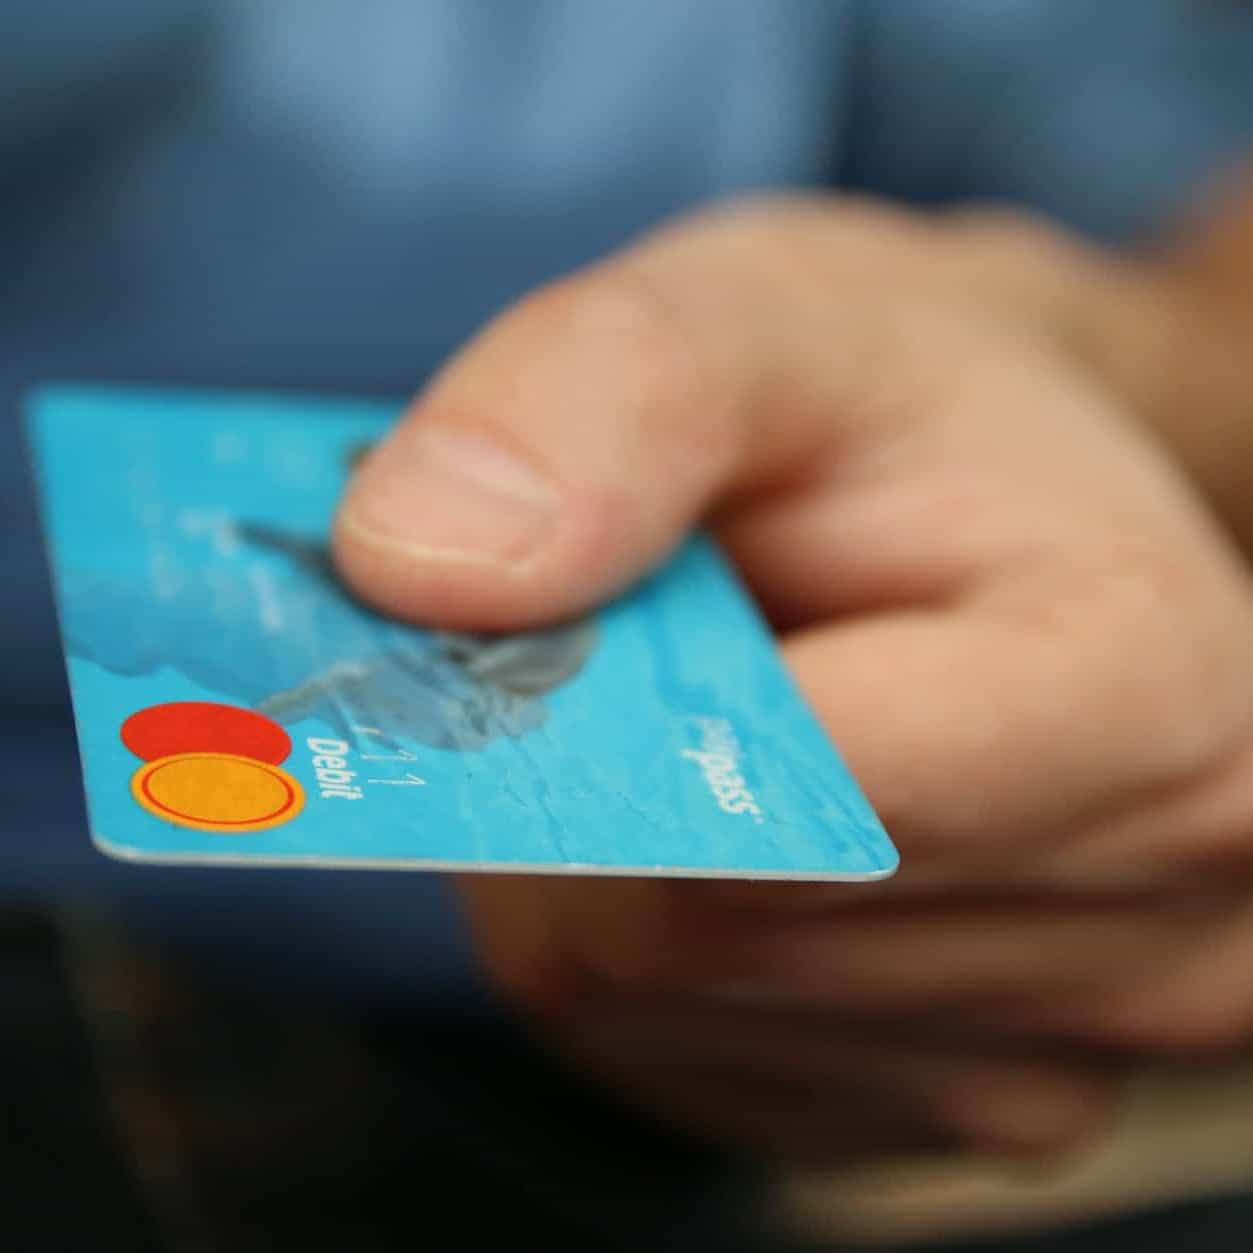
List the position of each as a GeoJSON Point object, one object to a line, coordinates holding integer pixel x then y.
{"type": "Point", "coordinates": [918, 961]}
{"type": "Point", "coordinates": [516, 923]}
{"type": "Point", "coordinates": [558, 946]}
{"type": "Point", "coordinates": [720, 1105]}
{"type": "Point", "coordinates": [805, 1079]}
{"type": "Point", "coordinates": [1195, 1003]}
{"type": "Point", "coordinates": [574, 441]}
{"type": "Point", "coordinates": [1043, 705]}
{"type": "Point", "coordinates": [608, 939]}
{"type": "Point", "coordinates": [570, 445]}
{"type": "Point", "coordinates": [1199, 826]}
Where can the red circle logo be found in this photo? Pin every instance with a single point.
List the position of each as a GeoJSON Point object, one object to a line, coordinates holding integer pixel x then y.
{"type": "Point", "coordinates": [197, 726]}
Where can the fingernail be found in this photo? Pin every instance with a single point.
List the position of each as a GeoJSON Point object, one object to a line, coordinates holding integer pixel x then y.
{"type": "Point", "coordinates": [435, 493]}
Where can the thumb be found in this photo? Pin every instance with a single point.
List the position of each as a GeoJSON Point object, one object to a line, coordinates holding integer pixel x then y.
{"type": "Point", "coordinates": [570, 446]}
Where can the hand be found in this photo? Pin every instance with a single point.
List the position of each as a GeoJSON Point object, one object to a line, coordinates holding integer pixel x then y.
{"type": "Point", "coordinates": [1025, 633]}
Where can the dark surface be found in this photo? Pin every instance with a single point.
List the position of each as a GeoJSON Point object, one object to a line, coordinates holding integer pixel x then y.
{"type": "Point", "coordinates": [145, 1107]}
{"type": "Point", "coordinates": [63, 1184]}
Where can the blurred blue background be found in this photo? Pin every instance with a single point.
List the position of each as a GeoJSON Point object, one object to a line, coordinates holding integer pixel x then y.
{"type": "Point", "coordinates": [332, 194]}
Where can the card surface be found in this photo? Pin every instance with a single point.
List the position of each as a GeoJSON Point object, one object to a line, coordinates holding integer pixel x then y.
{"type": "Point", "coordinates": [235, 706]}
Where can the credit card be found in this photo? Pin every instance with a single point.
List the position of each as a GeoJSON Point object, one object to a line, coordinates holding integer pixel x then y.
{"type": "Point", "coordinates": [235, 705]}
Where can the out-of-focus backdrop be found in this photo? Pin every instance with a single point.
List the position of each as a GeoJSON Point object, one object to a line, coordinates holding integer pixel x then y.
{"type": "Point", "coordinates": [332, 194]}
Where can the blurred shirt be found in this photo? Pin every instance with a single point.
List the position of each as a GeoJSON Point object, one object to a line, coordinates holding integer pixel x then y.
{"type": "Point", "coordinates": [332, 194]}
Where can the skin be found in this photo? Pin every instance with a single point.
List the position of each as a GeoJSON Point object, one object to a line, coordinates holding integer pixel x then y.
{"type": "Point", "coordinates": [935, 450]}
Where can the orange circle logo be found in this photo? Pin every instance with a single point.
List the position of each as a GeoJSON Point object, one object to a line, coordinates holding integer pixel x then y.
{"type": "Point", "coordinates": [231, 780]}
{"type": "Point", "coordinates": [218, 792]}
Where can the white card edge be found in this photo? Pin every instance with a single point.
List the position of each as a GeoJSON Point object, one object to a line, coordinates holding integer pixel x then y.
{"type": "Point", "coordinates": [134, 856]}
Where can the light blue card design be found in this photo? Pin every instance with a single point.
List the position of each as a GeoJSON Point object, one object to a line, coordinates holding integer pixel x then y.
{"type": "Point", "coordinates": [235, 706]}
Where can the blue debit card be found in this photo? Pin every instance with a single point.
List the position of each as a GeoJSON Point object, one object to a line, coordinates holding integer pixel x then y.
{"type": "Point", "coordinates": [235, 706]}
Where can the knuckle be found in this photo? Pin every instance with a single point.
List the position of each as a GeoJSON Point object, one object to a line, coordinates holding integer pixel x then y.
{"type": "Point", "coordinates": [653, 339]}
{"type": "Point", "coordinates": [1197, 694]}
{"type": "Point", "coordinates": [1003, 230]}
{"type": "Point", "coordinates": [639, 329]}
{"type": "Point", "coordinates": [816, 241]}
{"type": "Point", "coordinates": [621, 310]}
{"type": "Point", "coordinates": [1171, 652]}
{"type": "Point", "coordinates": [806, 241]}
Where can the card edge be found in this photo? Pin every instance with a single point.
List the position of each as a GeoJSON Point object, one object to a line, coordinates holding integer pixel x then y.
{"type": "Point", "coordinates": [140, 857]}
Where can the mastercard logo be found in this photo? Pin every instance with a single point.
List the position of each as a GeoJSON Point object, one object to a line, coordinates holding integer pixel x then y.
{"type": "Point", "coordinates": [212, 767]}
